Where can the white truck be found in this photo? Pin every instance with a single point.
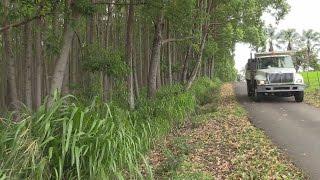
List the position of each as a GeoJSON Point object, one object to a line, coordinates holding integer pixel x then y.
{"type": "Point", "coordinates": [273, 74]}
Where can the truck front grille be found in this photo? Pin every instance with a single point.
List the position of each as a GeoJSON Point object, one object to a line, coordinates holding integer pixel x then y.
{"type": "Point", "coordinates": [280, 78]}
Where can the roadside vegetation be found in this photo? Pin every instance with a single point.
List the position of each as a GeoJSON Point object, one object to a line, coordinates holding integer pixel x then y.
{"type": "Point", "coordinates": [312, 79]}
{"type": "Point", "coordinates": [220, 143]}
{"type": "Point", "coordinates": [72, 140]}
{"type": "Point", "coordinates": [87, 87]}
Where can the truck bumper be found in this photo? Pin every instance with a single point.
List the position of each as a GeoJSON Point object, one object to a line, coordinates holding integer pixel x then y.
{"type": "Point", "coordinates": [281, 88]}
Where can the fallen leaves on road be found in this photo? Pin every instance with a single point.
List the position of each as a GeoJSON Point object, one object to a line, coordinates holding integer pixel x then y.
{"type": "Point", "coordinates": [221, 145]}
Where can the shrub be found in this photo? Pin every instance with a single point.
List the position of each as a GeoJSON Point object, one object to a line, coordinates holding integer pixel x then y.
{"type": "Point", "coordinates": [96, 141]}
{"type": "Point", "coordinates": [202, 90]}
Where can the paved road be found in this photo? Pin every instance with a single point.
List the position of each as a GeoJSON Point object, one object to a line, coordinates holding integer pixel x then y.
{"type": "Point", "coordinates": [294, 127]}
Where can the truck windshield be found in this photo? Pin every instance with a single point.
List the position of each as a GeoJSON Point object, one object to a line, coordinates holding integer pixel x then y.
{"type": "Point", "coordinates": [275, 62]}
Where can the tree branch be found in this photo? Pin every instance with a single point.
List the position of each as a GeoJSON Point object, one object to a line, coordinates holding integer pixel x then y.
{"type": "Point", "coordinates": [176, 40]}
{"type": "Point", "coordinates": [17, 24]}
{"type": "Point", "coordinates": [116, 3]}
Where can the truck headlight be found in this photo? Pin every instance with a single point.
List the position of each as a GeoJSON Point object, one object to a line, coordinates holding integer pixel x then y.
{"type": "Point", "coordinates": [261, 82]}
{"type": "Point", "coordinates": [299, 81]}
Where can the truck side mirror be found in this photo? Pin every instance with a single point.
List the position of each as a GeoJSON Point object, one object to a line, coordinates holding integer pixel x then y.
{"type": "Point", "coordinates": [252, 64]}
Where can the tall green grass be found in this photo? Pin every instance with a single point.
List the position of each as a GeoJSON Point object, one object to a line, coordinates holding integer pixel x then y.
{"type": "Point", "coordinates": [312, 79]}
{"type": "Point", "coordinates": [96, 141]}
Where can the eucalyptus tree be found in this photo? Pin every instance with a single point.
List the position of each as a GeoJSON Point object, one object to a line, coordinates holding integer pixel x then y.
{"type": "Point", "coordinates": [129, 54]}
{"type": "Point", "coordinates": [8, 56]}
{"type": "Point", "coordinates": [159, 11]}
{"type": "Point", "coordinates": [84, 44]}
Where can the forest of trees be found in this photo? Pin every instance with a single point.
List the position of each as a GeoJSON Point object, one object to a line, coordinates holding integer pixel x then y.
{"type": "Point", "coordinates": [89, 47]}
{"type": "Point", "coordinates": [88, 86]}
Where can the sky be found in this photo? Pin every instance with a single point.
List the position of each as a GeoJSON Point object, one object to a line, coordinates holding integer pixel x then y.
{"type": "Point", "coordinates": [304, 15]}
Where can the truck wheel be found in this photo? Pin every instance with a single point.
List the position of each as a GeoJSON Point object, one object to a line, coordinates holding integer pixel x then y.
{"type": "Point", "coordinates": [257, 97]}
{"type": "Point", "coordinates": [299, 96]}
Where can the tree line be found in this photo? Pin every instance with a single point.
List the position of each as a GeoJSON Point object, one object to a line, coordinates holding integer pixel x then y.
{"type": "Point", "coordinates": [99, 47]}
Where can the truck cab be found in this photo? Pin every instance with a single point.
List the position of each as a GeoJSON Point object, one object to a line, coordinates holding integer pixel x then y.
{"type": "Point", "coordinates": [273, 74]}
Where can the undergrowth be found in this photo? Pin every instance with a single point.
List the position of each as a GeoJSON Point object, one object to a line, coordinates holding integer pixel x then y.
{"type": "Point", "coordinates": [72, 140]}
{"type": "Point", "coordinates": [221, 144]}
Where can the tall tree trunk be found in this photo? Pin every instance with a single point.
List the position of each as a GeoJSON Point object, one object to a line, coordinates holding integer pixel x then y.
{"type": "Point", "coordinates": [185, 65]}
{"type": "Point", "coordinates": [136, 80]}
{"type": "Point", "coordinates": [140, 63]}
{"type": "Point", "coordinates": [66, 78]}
{"type": "Point", "coordinates": [155, 57]}
{"type": "Point", "coordinates": [129, 55]}
{"type": "Point", "coordinates": [39, 63]}
{"type": "Point", "coordinates": [8, 56]}
{"type": "Point", "coordinates": [169, 55]}
{"type": "Point", "coordinates": [61, 64]}
{"type": "Point", "coordinates": [108, 35]}
{"type": "Point", "coordinates": [28, 55]}
{"type": "Point", "coordinates": [198, 64]}
{"type": "Point", "coordinates": [212, 67]}
{"type": "Point", "coordinates": [146, 57]}
{"type": "Point", "coordinates": [3, 83]}
{"type": "Point", "coordinates": [159, 70]}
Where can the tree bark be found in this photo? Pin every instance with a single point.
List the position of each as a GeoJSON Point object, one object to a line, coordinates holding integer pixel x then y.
{"type": "Point", "coordinates": [140, 62]}
{"type": "Point", "coordinates": [129, 55]}
{"type": "Point", "coordinates": [155, 57]}
{"type": "Point", "coordinates": [197, 67]}
{"type": "Point", "coordinates": [61, 64]}
{"type": "Point", "coordinates": [146, 62]}
{"type": "Point", "coordinates": [212, 67]}
{"type": "Point", "coordinates": [66, 78]}
{"type": "Point", "coordinates": [28, 55]}
{"type": "Point", "coordinates": [39, 63]}
{"type": "Point", "coordinates": [9, 58]}
{"type": "Point", "coordinates": [169, 55]}
{"type": "Point", "coordinates": [136, 79]}
{"type": "Point", "coordinates": [108, 35]}
{"type": "Point", "coordinates": [185, 65]}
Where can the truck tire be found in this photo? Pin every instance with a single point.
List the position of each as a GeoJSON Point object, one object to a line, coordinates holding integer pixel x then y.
{"type": "Point", "coordinates": [249, 89]}
{"type": "Point", "coordinates": [257, 97]}
{"type": "Point", "coordinates": [299, 96]}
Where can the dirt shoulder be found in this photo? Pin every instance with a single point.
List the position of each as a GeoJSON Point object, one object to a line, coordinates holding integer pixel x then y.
{"type": "Point", "coordinates": [220, 143]}
{"type": "Point", "coordinates": [313, 98]}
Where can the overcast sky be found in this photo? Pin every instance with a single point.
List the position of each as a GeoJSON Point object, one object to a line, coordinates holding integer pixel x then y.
{"type": "Point", "coordinates": [304, 14]}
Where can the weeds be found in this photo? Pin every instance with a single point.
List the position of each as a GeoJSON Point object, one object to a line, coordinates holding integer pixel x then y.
{"type": "Point", "coordinates": [72, 140]}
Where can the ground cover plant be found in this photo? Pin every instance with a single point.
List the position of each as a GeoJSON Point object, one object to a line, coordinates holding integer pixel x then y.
{"type": "Point", "coordinates": [221, 144]}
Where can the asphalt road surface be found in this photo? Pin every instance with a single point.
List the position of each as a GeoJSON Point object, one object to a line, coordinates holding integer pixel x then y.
{"type": "Point", "coordinates": [293, 127]}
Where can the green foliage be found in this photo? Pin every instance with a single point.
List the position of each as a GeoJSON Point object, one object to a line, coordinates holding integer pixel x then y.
{"type": "Point", "coordinates": [99, 59]}
{"type": "Point", "coordinates": [96, 141]}
{"type": "Point", "coordinates": [312, 79]}
{"type": "Point", "coordinates": [52, 43]}
{"type": "Point", "coordinates": [202, 88]}
{"type": "Point", "coordinates": [312, 93]}
{"type": "Point", "coordinates": [179, 14]}
{"type": "Point", "coordinates": [85, 7]}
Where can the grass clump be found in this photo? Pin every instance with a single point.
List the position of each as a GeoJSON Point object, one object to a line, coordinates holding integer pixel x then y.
{"type": "Point", "coordinates": [72, 140]}
{"type": "Point", "coordinates": [203, 90]}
